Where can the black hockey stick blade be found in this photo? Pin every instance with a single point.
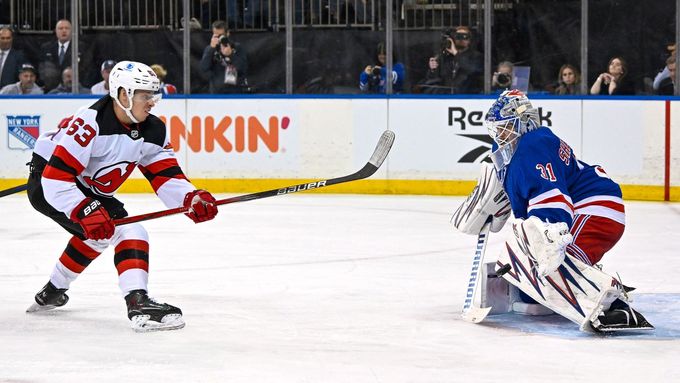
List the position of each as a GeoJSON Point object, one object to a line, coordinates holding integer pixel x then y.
{"type": "Point", "coordinates": [13, 190]}
{"type": "Point", "coordinates": [381, 151]}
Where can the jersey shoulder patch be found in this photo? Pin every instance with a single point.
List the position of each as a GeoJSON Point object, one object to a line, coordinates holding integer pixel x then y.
{"type": "Point", "coordinates": [153, 131]}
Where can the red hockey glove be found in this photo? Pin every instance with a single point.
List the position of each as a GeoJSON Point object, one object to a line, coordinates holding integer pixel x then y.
{"type": "Point", "coordinates": [94, 219]}
{"type": "Point", "coordinates": [201, 205]}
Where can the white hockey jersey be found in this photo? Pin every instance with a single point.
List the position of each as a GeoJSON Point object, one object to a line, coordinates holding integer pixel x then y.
{"type": "Point", "coordinates": [99, 152]}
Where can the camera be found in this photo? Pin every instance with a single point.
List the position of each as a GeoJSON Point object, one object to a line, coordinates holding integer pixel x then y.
{"type": "Point", "coordinates": [446, 39]}
{"type": "Point", "coordinates": [504, 80]}
{"type": "Point", "coordinates": [374, 79]}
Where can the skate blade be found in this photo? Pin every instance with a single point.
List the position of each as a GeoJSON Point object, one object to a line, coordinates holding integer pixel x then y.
{"type": "Point", "coordinates": [625, 329]}
{"type": "Point", "coordinates": [141, 323]}
{"type": "Point", "coordinates": [34, 308]}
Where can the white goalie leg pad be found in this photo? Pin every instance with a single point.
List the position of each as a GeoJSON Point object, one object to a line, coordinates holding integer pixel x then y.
{"type": "Point", "coordinates": [575, 290]}
{"type": "Point", "coordinates": [487, 199]}
{"type": "Point", "coordinates": [503, 297]}
{"type": "Point", "coordinates": [545, 243]}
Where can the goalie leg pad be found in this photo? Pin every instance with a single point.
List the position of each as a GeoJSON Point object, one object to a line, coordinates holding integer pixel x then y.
{"type": "Point", "coordinates": [575, 290]}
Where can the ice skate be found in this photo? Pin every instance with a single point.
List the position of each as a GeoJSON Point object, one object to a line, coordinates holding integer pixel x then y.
{"type": "Point", "coordinates": [621, 317]}
{"type": "Point", "coordinates": [147, 315]}
{"type": "Point", "coordinates": [48, 298]}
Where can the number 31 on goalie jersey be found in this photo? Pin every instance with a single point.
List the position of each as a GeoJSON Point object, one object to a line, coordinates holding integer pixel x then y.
{"type": "Point", "coordinates": [547, 172]}
{"type": "Point", "coordinates": [83, 138]}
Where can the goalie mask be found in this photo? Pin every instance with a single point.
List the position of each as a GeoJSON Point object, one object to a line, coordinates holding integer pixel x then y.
{"type": "Point", "coordinates": [133, 76]}
{"type": "Point", "coordinates": [509, 118]}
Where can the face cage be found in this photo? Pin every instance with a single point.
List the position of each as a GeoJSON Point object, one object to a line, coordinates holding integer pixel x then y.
{"type": "Point", "coordinates": [503, 132]}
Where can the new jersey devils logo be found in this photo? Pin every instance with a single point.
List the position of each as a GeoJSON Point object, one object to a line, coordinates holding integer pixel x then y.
{"type": "Point", "coordinates": [108, 179]}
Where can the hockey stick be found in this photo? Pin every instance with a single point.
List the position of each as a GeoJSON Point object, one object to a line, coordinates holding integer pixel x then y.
{"type": "Point", "coordinates": [13, 190]}
{"type": "Point", "coordinates": [379, 155]}
{"type": "Point", "coordinates": [472, 310]}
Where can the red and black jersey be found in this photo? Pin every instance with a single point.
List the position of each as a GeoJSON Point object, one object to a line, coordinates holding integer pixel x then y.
{"type": "Point", "coordinates": [99, 152]}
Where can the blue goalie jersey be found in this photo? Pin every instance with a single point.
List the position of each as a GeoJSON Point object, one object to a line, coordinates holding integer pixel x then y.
{"type": "Point", "coordinates": [544, 179]}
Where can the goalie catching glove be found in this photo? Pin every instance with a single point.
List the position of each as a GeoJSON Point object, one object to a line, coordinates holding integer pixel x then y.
{"type": "Point", "coordinates": [543, 242]}
{"type": "Point", "coordinates": [487, 199]}
{"type": "Point", "coordinates": [201, 205]}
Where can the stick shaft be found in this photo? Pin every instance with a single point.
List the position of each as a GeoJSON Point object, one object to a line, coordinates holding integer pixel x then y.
{"type": "Point", "coordinates": [379, 155]}
{"type": "Point", "coordinates": [13, 190]}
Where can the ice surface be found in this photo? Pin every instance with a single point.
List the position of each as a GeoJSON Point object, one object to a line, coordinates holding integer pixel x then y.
{"type": "Point", "coordinates": [321, 288]}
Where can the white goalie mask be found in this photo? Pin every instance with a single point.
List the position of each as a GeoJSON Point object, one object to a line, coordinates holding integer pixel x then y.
{"type": "Point", "coordinates": [510, 116]}
{"type": "Point", "coordinates": [132, 76]}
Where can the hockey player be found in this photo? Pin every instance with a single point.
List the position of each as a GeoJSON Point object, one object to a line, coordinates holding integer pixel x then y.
{"type": "Point", "coordinates": [568, 214]}
{"type": "Point", "coordinates": [77, 168]}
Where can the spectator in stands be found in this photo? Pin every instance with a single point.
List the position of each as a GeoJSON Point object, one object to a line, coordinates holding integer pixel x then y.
{"type": "Point", "coordinates": [227, 66]}
{"type": "Point", "coordinates": [102, 87]}
{"type": "Point", "coordinates": [667, 85]}
{"type": "Point", "coordinates": [457, 68]}
{"type": "Point", "coordinates": [372, 79]}
{"type": "Point", "coordinates": [55, 55]}
{"type": "Point", "coordinates": [665, 73]}
{"type": "Point", "coordinates": [10, 59]}
{"type": "Point", "coordinates": [161, 72]}
{"type": "Point", "coordinates": [614, 81]}
{"type": "Point", "coordinates": [66, 86]}
{"type": "Point", "coordinates": [568, 80]}
{"type": "Point", "coordinates": [26, 84]}
{"type": "Point", "coordinates": [502, 77]}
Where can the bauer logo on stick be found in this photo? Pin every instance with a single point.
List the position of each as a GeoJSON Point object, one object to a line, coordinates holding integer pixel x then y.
{"type": "Point", "coordinates": [22, 131]}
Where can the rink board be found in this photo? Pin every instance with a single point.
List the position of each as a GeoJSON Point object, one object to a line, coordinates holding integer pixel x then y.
{"type": "Point", "coordinates": [249, 144]}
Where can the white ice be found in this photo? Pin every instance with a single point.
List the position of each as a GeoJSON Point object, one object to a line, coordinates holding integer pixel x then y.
{"type": "Point", "coordinates": [320, 288]}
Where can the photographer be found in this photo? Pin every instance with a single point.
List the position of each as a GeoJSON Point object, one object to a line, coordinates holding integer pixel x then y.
{"type": "Point", "coordinates": [457, 68]}
{"type": "Point", "coordinates": [502, 77]}
{"type": "Point", "coordinates": [227, 67]}
{"type": "Point", "coordinates": [372, 79]}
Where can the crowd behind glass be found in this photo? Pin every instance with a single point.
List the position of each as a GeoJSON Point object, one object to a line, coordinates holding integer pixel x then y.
{"type": "Point", "coordinates": [454, 66]}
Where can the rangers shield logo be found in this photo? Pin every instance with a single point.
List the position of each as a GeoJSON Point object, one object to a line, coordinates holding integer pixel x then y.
{"type": "Point", "coordinates": [23, 131]}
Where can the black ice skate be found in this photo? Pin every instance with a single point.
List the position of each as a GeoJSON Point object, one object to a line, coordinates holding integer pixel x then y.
{"type": "Point", "coordinates": [148, 315]}
{"type": "Point", "coordinates": [48, 298]}
{"type": "Point", "coordinates": [621, 317]}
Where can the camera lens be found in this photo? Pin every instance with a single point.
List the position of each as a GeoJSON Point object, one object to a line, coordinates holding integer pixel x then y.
{"type": "Point", "coordinates": [375, 71]}
{"type": "Point", "coordinates": [504, 79]}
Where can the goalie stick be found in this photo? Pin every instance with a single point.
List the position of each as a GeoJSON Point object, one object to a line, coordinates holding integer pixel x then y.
{"type": "Point", "coordinates": [379, 154]}
{"type": "Point", "coordinates": [13, 190]}
{"type": "Point", "coordinates": [472, 310]}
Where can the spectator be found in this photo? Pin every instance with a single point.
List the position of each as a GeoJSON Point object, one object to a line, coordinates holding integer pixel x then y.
{"type": "Point", "coordinates": [162, 73]}
{"type": "Point", "coordinates": [665, 73]}
{"type": "Point", "coordinates": [102, 87]}
{"type": "Point", "coordinates": [372, 79]}
{"type": "Point", "coordinates": [66, 86]}
{"type": "Point", "coordinates": [227, 67]}
{"type": "Point", "coordinates": [26, 84]}
{"type": "Point", "coordinates": [614, 81]}
{"type": "Point", "coordinates": [667, 85]}
{"type": "Point", "coordinates": [502, 77]}
{"type": "Point", "coordinates": [10, 59]}
{"type": "Point", "coordinates": [457, 68]}
{"type": "Point", "coordinates": [55, 55]}
{"type": "Point", "coordinates": [568, 80]}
